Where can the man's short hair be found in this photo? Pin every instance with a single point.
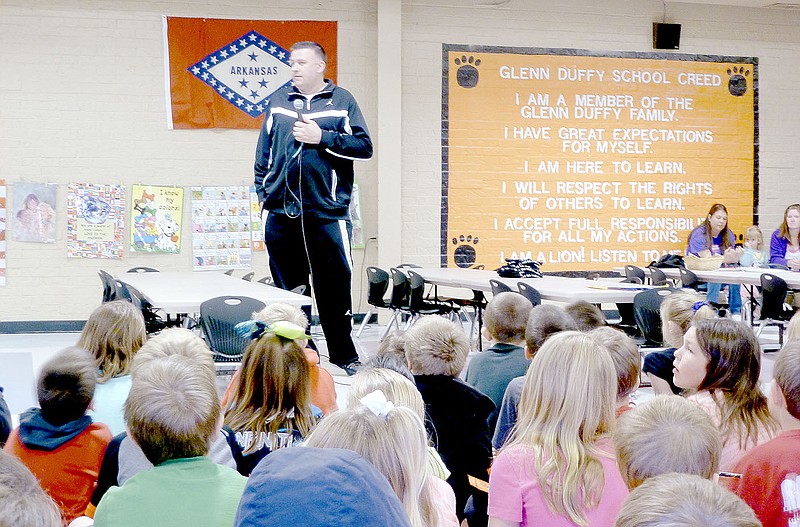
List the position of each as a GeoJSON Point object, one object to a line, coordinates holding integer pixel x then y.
{"type": "Point", "coordinates": [684, 500]}
{"type": "Point", "coordinates": [543, 321]}
{"type": "Point", "coordinates": [23, 503]}
{"type": "Point", "coordinates": [787, 376]}
{"type": "Point", "coordinates": [307, 44]}
{"type": "Point", "coordinates": [175, 341]}
{"type": "Point", "coordinates": [626, 357]}
{"type": "Point", "coordinates": [436, 346]}
{"type": "Point", "coordinates": [666, 434]}
{"type": "Point", "coordinates": [587, 316]}
{"type": "Point", "coordinates": [172, 409]}
{"type": "Point", "coordinates": [66, 385]}
{"type": "Point", "coordinates": [506, 317]}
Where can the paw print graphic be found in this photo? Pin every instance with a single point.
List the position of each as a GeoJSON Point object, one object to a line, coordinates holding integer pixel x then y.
{"type": "Point", "coordinates": [467, 73]}
{"type": "Point", "coordinates": [465, 254]}
{"type": "Point", "coordinates": [737, 85]}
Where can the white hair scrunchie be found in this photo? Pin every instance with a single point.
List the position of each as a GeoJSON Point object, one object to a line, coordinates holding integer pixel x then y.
{"type": "Point", "coordinates": [377, 403]}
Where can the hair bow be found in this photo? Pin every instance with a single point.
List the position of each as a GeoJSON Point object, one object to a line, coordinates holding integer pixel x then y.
{"type": "Point", "coordinates": [254, 329]}
{"type": "Point", "coordinates": [377, 403]}
{"type": "Point", "coordinates": [698, 305]}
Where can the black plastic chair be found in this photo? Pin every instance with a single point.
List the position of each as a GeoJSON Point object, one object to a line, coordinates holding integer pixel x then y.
{"type": "Point", "coordinates": [530, 293]}
{"type": "Point", "coordinates": [398, 299]}
{"type": "Point", "coordinates": [499, 287]}
{"type": "Point", "coordinates": [229, 272]}
{"type": "Point", "coordinates": [248, 277]}
{"type": "Point", "coordinates": [266, 280]}
{"type": "Point", "coordinates": [657, 276]}
{"type": "Point", "coordinates": [418, 305]}
{"type": "Point", "coordinates": [153, 323]}
{"type": "Point", "coordinates": [689, 280]}
{"type": "Point", "coordinates": [377, 285]}
{"type": "Point", "coordinates": [774, 310]}
{"type": "Point", "coordinates": [635, 275]}
{"type": "Point", "coordinates": [647, 313]}
{"type": "Point", "coordinates": [218, 317]}
{"type": "Point", "coordinates": [109, 286]}
{"type": "Point", "coordinates": [142, 269]}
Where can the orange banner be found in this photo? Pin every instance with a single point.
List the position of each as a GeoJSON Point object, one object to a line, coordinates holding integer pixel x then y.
{"type": "Point", "coordinates": [222, 72]}
{"type": "Point", "coordinates": [589, 162]}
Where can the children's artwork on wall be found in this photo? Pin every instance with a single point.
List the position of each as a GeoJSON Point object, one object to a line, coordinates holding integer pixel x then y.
{"type": "Point", "coordinates": [34, 212]}
{"type": "Point", "coordinates": [95, 220]}
{"type": "Point", "coordinates": [257, 226]}
{"type": "Point", "coordinates": [156, 219]}
{"type": "Point", "coordinates": [2, 233]}
{"type": "Point", "coordinates": [221, 228]}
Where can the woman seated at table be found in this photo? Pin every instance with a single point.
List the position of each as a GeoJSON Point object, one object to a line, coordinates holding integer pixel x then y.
{"type": "Point", "coordinates": [784, 247]}
{"type": "Point", "coordinates": [714, 238]}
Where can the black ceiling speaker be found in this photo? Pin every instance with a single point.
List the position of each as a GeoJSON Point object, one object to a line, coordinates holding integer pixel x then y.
{"type": "Point", "coordinates": [666, 36]}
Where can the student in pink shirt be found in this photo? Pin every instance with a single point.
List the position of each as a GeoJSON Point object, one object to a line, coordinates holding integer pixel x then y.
{"type": "Point", "coordinates": [558, 466]}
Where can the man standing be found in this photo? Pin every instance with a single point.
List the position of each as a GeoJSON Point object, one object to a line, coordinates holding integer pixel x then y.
{"type": "Point", "coordinates": [312, 132]}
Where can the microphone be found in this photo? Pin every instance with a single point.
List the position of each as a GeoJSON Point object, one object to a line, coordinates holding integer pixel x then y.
{"type": "Point", "coordinates": [298, 105]}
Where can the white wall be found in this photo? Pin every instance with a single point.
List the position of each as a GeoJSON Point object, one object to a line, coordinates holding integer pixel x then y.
{"type": "Point", "coordinates": [82, 99]}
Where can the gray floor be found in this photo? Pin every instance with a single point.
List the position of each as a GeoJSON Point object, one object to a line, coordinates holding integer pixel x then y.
{"type": "Point", "coordinates": [21, 356]}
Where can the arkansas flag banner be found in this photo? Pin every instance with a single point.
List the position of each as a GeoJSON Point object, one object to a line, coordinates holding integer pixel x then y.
{"type": "Point", "coordinates": [221, 73]}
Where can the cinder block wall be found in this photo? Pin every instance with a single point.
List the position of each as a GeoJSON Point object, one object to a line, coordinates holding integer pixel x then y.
{"type": "Point", "coordinates": [82, 99]}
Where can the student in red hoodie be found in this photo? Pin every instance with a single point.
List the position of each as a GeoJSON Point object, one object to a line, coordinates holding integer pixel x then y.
{"type": "Point", "coordinates": [58, 442]}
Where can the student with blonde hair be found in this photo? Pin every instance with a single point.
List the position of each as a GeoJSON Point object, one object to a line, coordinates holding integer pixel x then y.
{"type": "Point", "coordinates": [400, 391]}
{"type": "Point", "coordinates": [754, 254]}
{"type": "Point", "coordinates": [684, 500]}
{"type": "Point", "coordinates": [437, 352]}
{"type": "Point", "coordinates": [793, 328]}
{"type": "Point", "coordinates": [113, 333]}
{"type": "Point", "coordinates": [678, 311]}
{"type": "Point", "coordinates": [23, 503]}
{"type": "Point", "coordinates": [769, 481]}
{"type": "Point", "coordinates": [504, 325]}
{"type": "Point", "coordinates": [270, 406]}
{"type": "Point", "coordinates": [393, 439]}
{"type": "Point", "coordinates": [719, 363]}
{"type": "Point", "coordinates": [558, 466]}
{"type": "Point", "coordinates": [627, 364]}
{"type": "Point", "coordinates": [544, 321]}
{"type": "Point", "coordinates": [124, 457]}
{"type": "Point", "coordinates": [173, 413]}
{"type": "Point", "coordinates": [666, 434]}
{"type": "Point", "coordinates": [323, 389]}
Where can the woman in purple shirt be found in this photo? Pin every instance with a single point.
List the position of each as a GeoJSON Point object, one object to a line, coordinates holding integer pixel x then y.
{"type": "Point", "coordinates": [784, 247]}
{"type": "Point", "coordinates": [714, 238]}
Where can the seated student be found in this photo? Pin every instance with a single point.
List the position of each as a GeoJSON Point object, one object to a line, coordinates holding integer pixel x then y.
{"type": "Point", "coordinates": [437, 351]}
{"type": "Point", "coordinates": [23, 503]}
{"type": "Point", "coordinates": [769, 482]}
{"type": "Point", "coordinates": [504, 325]}
{"type": "Point", "coordinates": [544, 321]}
{"type": "Point", "coordinates": [754, 254]}
{"type": "Point", "coordinates": [627, 364]}
{"type": "Point", "coordinates": [784, 244]}
{"type": "Point", "coordinates": [113, 333]}
{"type": "Point", "coordinates": [793, 328]}
{"type": "Point", "coordinates": [393, 344]}
{"type": "Point", "coordinates": [124, 458]}
{"type": "Point", "coordinates": [684, 500]}
{"type": "Point", "coordinates": [558, 467]}
{"type": "Point", "coordinates": [587, 316]}
{"type": "Point", "coordinates": [5, 419]}
{"type": "Point", "coordinates": [392, 438]}
{"type": "Point", "coordinates": [323, 389]}
{"type": "Point", "coordinates": [678, 312]}
{"type": "Point", "coordinates": [719, 363]}
{"type": "Point", "coordinates": [666, 434]}
{"type": "Point", "coordinates": [173, 413]}
{"type": "Point", "coordinates": [310, 487]}
{"type": "Point", "coordinates": [270, 405]}
{"type": "Point", "coordinates": [59, 443]}
{"type": "Point", "coordinates": [398, 389]}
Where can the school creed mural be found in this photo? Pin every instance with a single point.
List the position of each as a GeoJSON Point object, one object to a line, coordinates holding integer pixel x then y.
{"type": "Point", "coordinates": [586, 160]}
{"type": "Point", "coordinates": [220, 73]}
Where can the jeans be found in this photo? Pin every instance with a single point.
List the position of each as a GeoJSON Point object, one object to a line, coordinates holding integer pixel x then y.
{"type": "Point", "coordinates": [734, 296]}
